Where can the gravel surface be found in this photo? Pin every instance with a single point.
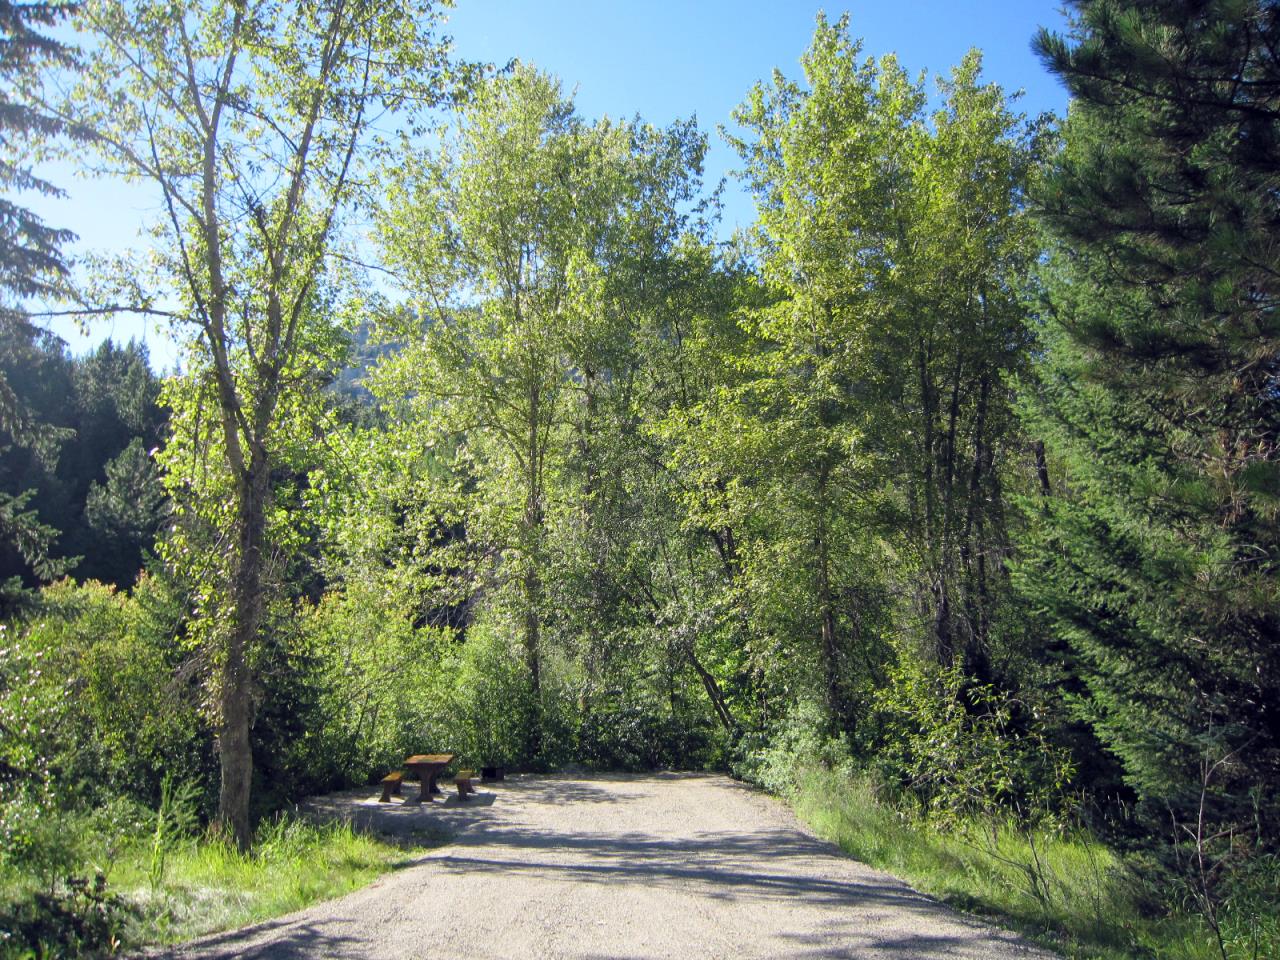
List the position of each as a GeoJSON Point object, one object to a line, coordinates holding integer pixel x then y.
{"type": "Point", "coordinates": [595, 866]}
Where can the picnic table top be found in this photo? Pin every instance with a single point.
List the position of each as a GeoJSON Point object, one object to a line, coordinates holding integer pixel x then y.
{"type": "Point", "coordinates": [430, 758]}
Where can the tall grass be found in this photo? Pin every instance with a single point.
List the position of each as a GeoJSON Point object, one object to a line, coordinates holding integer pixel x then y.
{"type": "Point", "coordinates": [208, 885]}
{"type": "Point", "coordinates": [159, 883]}
{"type": "Point", "coordinates": [1065, 890]}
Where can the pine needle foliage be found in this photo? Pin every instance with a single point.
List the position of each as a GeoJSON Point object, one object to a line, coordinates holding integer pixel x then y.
{"type": "Point", "coordinates": [1155, 552]}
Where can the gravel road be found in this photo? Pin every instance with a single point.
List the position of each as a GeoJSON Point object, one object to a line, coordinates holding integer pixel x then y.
{"type": "Point", "coordinates": [596, 866]}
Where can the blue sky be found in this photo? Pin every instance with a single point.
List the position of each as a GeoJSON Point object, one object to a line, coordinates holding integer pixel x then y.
{"type": "Point", "coordinates": [661, 60]}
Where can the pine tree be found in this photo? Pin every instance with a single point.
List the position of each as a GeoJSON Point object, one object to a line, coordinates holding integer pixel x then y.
{"type": "Point", "coordinates": [1155, 551]}
{"type": "Point", "coordinates": [31, 259]}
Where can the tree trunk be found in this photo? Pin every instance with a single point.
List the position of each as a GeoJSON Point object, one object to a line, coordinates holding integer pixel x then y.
{"type": "Point", "coordinates": [235, 752]}
{"type": "Point", "coordinates": [827, 613]}
{"type": "Point", "coordinates": [532, 578]}
{"type": "Point", "coordinates": [533, 629]}
{"type": "Point", "coordinates": [713, 693]}
{"type": "Point", "coordinates": [1042, 469]}
{"type": "Point", "coordinates": [973, 546]}
{"type": "Point", "coordinates": [926, 445]}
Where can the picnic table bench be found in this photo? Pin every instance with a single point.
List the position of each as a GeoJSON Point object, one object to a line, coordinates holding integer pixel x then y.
{"type": "Point", "coordinates": [390, 785]}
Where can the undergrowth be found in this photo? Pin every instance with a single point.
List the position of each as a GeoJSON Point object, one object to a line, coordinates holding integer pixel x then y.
{"type": "Point", "coordinates": [198, 884]}
{"type": "Point", "coordinates": [1065, 889]}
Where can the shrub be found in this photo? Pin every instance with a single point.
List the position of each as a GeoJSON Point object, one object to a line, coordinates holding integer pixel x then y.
{"type": "Point", "coordinates": [490, 702]}
{"type": "Point", "coordinates": [54, 899]}
{"type": "Point", "coordinates": [88, 697]}
{"type": "Point", "coordinates": [963, 749]}
{"type": "Point", "coordinates": [79, 916]}
{"type": "Point", "coordinates": [630, 734]}
{"type": "Point", "coordinates": [377, 688]}
{"type": "Point", "coordinates": [802, 740]}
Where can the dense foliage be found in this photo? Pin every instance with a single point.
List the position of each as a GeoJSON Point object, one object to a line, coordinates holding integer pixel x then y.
{"type": "Point", "coordinates": [1154, 557]}
{"type": "Point", "coordinates": [1156, 554]}
{"type": "Point", "coordinates": [950, 483]}
{"type": "Point", "coordinates": [96, 483]}
{"type": "Point", "coordinates": [32, 263]}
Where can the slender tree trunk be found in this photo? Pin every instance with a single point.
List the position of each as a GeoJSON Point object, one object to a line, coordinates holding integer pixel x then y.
{"type": "Point", "coordinates": [828, 417]}
{"type": "Point", "coordinates": [532, 652]}
{"type": "Point", "coordinates": [926, 444]}
{"type": "Point", "coordinates": [235, 752]}
{"type": "Point", "coordinates": [713, 693]}
{"type": "Point", "coordinates": [972, 547]}
{"type": "Point", "coordinates": [1042, 469]}
{"type": "Point", "coordinates": [946, 572]}
{"type": "Point", "coordinates": [533, 625]}
{"type": "Point", "coordinates": [830, 649]}
{"type": "Point", "coordinates": [827, 611]}
{"type": "Point", "coordinates": [939, 596]}
{"type": "Point", "coordinates": [532, 578]}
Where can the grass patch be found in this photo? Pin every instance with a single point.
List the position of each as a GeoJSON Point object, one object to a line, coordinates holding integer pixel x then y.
{"type": "Point", "coordinates": [203, 886]}
{"type": "Point", "coordinates": [1066, 891]}
{"type": "Point", "coordinates": [209, 886]}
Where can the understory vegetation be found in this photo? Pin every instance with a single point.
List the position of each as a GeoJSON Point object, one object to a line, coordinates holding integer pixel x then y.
{"type": "Point", "coordinates": [101, 881]}
{"type": "Point", "coordinates": [1059, 884]}
{"type": "Point", "coordinates": [943, 500]}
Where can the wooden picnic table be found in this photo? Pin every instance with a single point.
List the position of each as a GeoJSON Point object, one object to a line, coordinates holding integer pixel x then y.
{"type": "Point", "coordinates": [428, 766]}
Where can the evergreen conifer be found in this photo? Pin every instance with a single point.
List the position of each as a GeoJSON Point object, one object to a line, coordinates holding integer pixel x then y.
{"type": "Point", "coordinates": [1156, 554]}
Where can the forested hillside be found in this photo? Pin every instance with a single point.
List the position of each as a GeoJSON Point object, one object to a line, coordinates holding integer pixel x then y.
{"type": "Point", "coordinates": [947, 493]}
{"type": "Point", "coordinates": [95, 473]}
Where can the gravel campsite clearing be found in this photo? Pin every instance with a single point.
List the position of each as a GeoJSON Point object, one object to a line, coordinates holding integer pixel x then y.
{"type": "Point", "coordinates": [619, 866]}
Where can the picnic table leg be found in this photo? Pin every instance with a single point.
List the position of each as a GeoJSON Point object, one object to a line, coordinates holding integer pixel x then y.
{"type": "Point", "coordinates": [428, 788]}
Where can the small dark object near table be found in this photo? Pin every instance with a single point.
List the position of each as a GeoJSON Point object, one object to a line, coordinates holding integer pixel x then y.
{"type": "Point", "coordinates": [489, 774]}
{"type": "Point", "coordinates": [428, 766]}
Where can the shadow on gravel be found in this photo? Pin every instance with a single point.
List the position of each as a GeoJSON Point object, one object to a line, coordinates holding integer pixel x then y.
{"type": "Point", "coordinates": [772, 869]}
{"type": "Point", "coordinates": [445, 818]}
{"type": "Point", "coordinates": [717, 880]}
{"type": "Point", "coordinates": [569, 791]}
{"type": "Point", "coordinates": [864, 945]}
{"type": "Point", "coordinates": [300, 940]}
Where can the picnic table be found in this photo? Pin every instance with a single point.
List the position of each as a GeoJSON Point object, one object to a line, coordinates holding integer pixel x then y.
{"type": "Point", "coordinates": [428, 766]}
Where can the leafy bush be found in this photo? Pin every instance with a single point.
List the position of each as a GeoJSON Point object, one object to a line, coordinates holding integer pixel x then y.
{"type": "Point", "coordinates": [630, 735]}
{"type": "Point", "coordinates": [91, 718]}
{"type": "Point", "coordinates": [54, 899]}
{"type": "Point", "coordinates": [35, 841]}
{"type": "Point", "coordinates": [490, 701]}
{"type": "Point", "coordinates": [89, 701]}
{"type": "Point", "coordinates": [960, 748]}
{"type": "Point", "coordinates": [801, 741]}
{"type": "Point", "coordinates": [376, 686]}
{"type": "Point", "coordinates": [79, 916]}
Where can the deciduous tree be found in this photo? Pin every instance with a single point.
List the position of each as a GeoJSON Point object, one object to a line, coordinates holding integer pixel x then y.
{"type": "Point", "coordinates": [251, 121]}
{"type": "Point", "coordinates": [523, 242]}
{"type": "Point", "coordinates": [877, 423]}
